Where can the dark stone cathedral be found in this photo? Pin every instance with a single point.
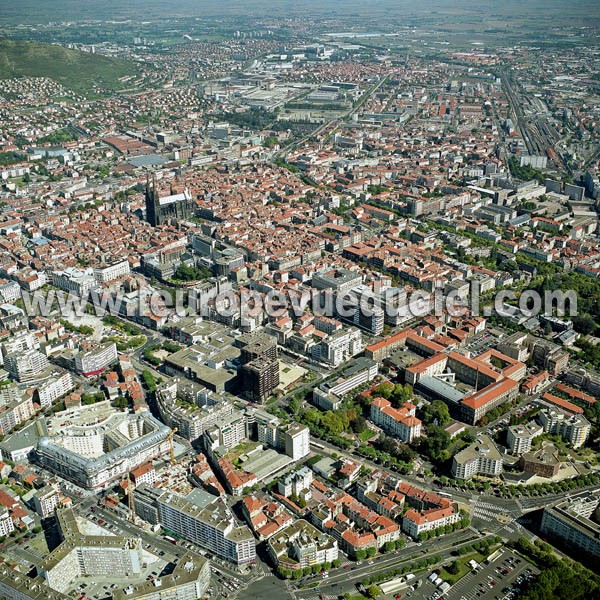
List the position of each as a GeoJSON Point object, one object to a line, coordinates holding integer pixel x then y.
{"type": "Point", "coordinates": [168, 208]}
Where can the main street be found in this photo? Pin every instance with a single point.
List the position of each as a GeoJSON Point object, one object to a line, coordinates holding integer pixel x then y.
{"type": "Point", "coordinates": [345, 579]}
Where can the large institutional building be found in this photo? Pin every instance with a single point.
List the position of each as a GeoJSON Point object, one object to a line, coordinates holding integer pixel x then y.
{"type": "Point", "coordinates": [493, 376]}
{"type": "Point", "coordinates": [399, 422]}
{"type": "Point", "coordinates": [188, 581]}
{"type": "Point", "coordinates": [168, 208]}
{"type": "Point", "coordinates": [82, 555]}
{"type": "Point", "coordinates": [576, 522]}
{"type": "Point", "coordinates": [96, 445]}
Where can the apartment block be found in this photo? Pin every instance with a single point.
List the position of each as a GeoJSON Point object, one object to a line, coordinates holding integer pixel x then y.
{"type": "Point", "coordinates": [575, 522]}
{"type": "Point", "coordinates": [520, 437]}
{"type": "Point", "coordinates": [212, 527]}
{"type": "Point", "coordinates": [480, 458]}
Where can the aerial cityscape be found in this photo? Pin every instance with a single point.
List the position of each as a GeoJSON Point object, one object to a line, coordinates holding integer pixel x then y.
{"type": "Point", "coordinates": [299, 300]}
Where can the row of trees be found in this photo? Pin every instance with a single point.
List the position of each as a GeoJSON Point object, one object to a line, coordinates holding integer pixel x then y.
{"type": "Point", "coordinates": [559, 578]}
{"type": "Point", "coordinates": [149, 381]}
{"type": "Point", "coordinates": [285, 573]}
{"type": "Point", "coordinates": [83, 329]}
{"type": "Point", "coordinates": [408, 568]}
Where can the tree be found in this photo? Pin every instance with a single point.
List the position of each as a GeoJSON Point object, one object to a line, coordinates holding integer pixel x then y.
{"type": "Point", "coordinates": [359, 424]}
{"type": "Point", "coordinates": [149, 381]}
{"type": "Point", "coordinates": [373, 591]}
{"type": "Point", "coordinates": [453, 568]}
{"type": "Point", "coordinates": [436, 444]}
{"type": "Point", "coordinates": [436, 413]}
{"type": "Point", "coordinates": [188, 273]}
{"type": "Point", "coordinates": [361, 555]}
{"type": "Point", "coordinates": [384, 390]}
{"type": "Point", "coordinates": [584, 324]}
{"type": "Point", "coordinates": [294, 405]}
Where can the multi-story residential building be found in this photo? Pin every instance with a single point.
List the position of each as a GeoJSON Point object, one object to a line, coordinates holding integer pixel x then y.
{"type": "Point", "coordinates": [256, 345]}
{"type": "Point", "coordinates": [520, 437]}
{"type": "Point", "coordinates": [57, 385]}
{"type": "Point", "coordinates": [260, 378]}
{"type": "Point", "coordinates": [399, 422]}
{"type": "Point", "coordinates": [575, 522]}
{"type": "Point", "coordinates": [212, 527]}
{"type": "Point", "coordinates": [295, 483]}
{"type": "Point", "coordinates": [226, 434]}
{"type": "Point", "coordinates": [294, 440]}
{"type": "Point", "coordinates": [371, 319]}
{"type": "Point", "coordinates": [20, 341]}
{"type": "Point", "coordinates": [327, 325]}
{"type": "Point", "coordinates": [27, 365]}
{"type": "Point", "coordinates": [339, 346]}
{"type": "Point", "coordinates": [190, 408]}
{"type": "Point", "coordinates": [45, 500]}
{"type": "Point", "coordinates": [15, 585]}
{"type": "Point", "coordinates": [81, 555]}
{"type": "Point", "coordinates": [544, 353]}
{"type": "Point", "coordinates": [575, 429]}
{"type": "Point", "coordinates": [338, 280]}
{"type": "Point", "coordinates": [379, 493]}
{"type": "Point", "coordinates": [188, 581]}
{"type": "Point", "coordinates": [9, 291]}
{"type": "Point", "coordinates": [145, 473]}
{"type": "Point", "coordinates": [6, 523]}
{"type": "Point", "coordinates": [301, 545]}
{"type": "Point", "coordinates": [544, 463]}
{"type": "Point", "coordinates": [15, 411]}
{"type": "Point", "coordinates": [264, 517]}
{"type": "Point", "coordinates": [90, 361]}
{"type": "Point", "coordinates": [416, 522]}
{"type": "Point", "coordinates": [480, 458]}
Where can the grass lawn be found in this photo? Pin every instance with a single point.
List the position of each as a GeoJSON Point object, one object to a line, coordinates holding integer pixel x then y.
{"type": "Point", "coordinates": [464, 568]}
{"type": "Point", "coordinates": [366, 435]}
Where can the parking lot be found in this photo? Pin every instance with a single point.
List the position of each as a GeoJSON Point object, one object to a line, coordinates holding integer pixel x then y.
{"type": "Point", "coordinates": [501, 579]}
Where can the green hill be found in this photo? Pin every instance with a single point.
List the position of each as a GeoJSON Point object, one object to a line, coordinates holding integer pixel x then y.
{"type": "Point", "coordinates": [79, 71]}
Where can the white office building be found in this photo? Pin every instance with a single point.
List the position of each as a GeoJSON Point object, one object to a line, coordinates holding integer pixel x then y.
{"type": "Point", "coordinates": [480, 458]}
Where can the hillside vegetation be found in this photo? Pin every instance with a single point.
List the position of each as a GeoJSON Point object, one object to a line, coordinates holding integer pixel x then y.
{"type": "Point", "coordinates": [81, 72]}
